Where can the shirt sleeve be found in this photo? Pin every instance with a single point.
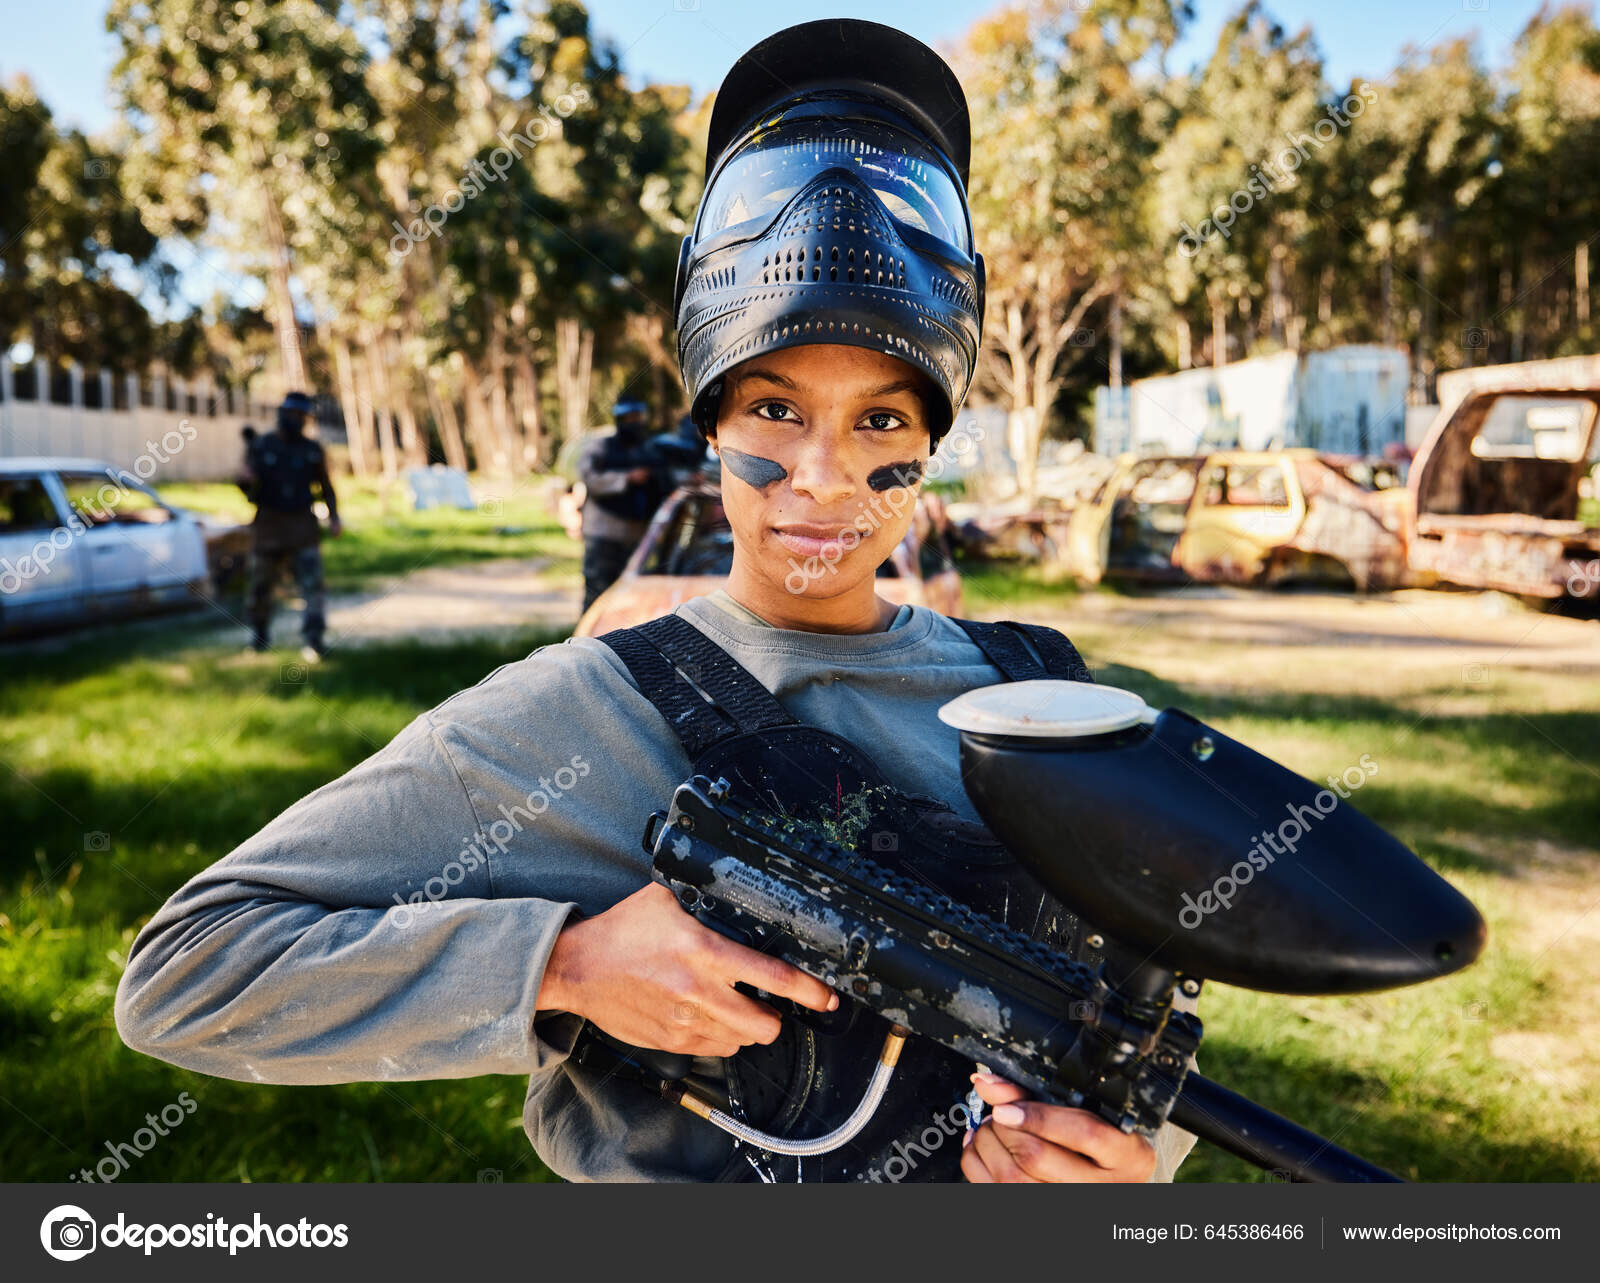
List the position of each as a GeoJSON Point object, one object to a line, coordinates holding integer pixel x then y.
{"type": "Point", "coordinates": [356, 937]}
{"type": "Point", "coordinates": [597, 480]}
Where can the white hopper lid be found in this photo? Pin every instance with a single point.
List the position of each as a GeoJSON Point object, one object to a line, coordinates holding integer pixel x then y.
{"type": "Point", "coordinates": [1046, 708]}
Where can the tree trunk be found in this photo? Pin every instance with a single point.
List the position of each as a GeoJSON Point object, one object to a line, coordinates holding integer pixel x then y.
{"type": "Point", "coordinates": [413, 449]}
{"type": "Point", "coordinates": [499, 409]}
{"type": "Point", "coordinates": [526, 388]}
{"type": "Point", "coordinates": [378, 379]}
{"type": "Point", "coordinates": [355, 410]}
{"type": "Point", "coordinates": [1277, 302]}
{"type": "Point", "coordinates": [484, 442]}
{"type": "Point", "coordinates": [1427, 342]}
{"type": "Point", "coordinates": [1115, 325]}
{"type": "Point", "coordinates": [1388, 296]}
{"type": "Point", "coordinates": [574, 360]}
{"type": "Point", "coordinates": [283, 319]}
{"type": "Point", "coordinates": [444, 418]}
{"type": "Point", "coordinates": [1580, 281]}
{"type": "Point", "coordinates": [1219, 331]}
{"type": "Point", "coordinates": [1185, 344]}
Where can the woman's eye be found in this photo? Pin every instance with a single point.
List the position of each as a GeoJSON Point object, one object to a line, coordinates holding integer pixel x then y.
{"type": "Point", "coordinates": [883, 421]}
{"type": "Point", "coordinates": [780, 412]}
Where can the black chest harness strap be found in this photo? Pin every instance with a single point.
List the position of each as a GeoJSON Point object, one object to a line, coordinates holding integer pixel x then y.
{"type": "Point", "coordinates": [742, 703]}
{"type": "Point", "coordinates": [732, 726]}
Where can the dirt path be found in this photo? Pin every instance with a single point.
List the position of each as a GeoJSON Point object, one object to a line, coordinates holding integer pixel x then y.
{"type": "Point", "coordinates": [442, 602]}
{"type": "Point", "coordinates": [450, 601]}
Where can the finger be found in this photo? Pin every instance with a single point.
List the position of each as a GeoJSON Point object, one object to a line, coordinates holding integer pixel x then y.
{"type": "Point", "coordinates": [778, 977]}
{"type": "Point", "coordinates": [973, 1169]}
{"type": "Point", "coordinates": [997, 1158]}
{"type": "Point", "coordinates": [748, 1019]}
{"type": "Point", "coordinates": [1076, 1130]}
{"type": "Point", "coordinates": [1045, 1161]}
{"type": "Point", "coordinates": [997, 1091]}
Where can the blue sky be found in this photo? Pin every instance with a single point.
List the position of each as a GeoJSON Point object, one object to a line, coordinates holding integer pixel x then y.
{"type": "Point", "coordinates": [65, 49]}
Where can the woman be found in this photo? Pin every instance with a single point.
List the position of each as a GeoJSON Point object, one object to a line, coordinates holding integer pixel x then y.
{"type": "Point", "coordinates": [468, 900]}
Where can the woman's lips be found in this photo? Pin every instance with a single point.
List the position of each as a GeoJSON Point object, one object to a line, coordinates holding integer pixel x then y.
{"type": "Point", "coordinates": [813, 541]}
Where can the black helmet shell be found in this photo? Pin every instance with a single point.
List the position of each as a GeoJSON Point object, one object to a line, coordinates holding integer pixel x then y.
{"type": "Point", "coordinates": [843, 259]}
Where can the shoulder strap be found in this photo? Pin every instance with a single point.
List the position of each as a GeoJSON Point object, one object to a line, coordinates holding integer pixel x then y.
{"type": "Point", "coordinates": [732, 686]}
{"type": "Point", "coordinates": [697, 724]}
{"type": "Point", "coordinates": [1060, 656]}
{"type": "Point", "coordinates": [655, 652]}
{"type": "Point", "coordinates": [1003, 646]}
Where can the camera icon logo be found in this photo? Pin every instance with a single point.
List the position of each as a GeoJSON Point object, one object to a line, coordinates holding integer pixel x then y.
{"type": "Point", "coordinates": [68, 1233]}
{"type": "Point", "coordinates": [885, 841]}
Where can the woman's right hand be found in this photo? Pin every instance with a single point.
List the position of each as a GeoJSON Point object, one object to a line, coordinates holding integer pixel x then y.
{"type": "Point", "coordinates": [647, 973]}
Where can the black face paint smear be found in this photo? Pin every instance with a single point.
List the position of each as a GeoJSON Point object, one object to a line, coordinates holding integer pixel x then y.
{"type": "Point", "coordinates": [895, 474]}
{"type": "Point", "coordinates": [753, 469]}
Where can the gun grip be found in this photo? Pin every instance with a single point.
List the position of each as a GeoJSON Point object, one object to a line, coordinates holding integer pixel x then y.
{"type": "Point", "coordinates": [670, 1065]}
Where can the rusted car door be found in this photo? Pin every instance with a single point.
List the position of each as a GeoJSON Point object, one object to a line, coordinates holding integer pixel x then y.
{"type": "Point", "coordinates": [1245, 506]}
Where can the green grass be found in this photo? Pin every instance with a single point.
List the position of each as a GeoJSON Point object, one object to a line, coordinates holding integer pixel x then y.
{"type": "Point", "coordinates": [383, 536]}
{"type": "Point", "coordinates": [1015, 585]}
{"type": "Point", "coordinates": [176, 755]}
{"type": "Point", "coordinates": [176, 752]}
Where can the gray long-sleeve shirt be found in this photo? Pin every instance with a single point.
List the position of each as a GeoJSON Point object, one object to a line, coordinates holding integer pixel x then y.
{"type": "Point", "coordinates": [396, 922]}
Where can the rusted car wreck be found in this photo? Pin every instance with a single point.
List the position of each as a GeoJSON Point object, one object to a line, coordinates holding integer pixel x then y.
{"type": "Point", "coordinates": [1245, 517]}
{"type": "Point", "coordinates": [1506, 488]}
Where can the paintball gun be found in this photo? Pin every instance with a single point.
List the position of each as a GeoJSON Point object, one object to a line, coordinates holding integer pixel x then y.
{"type": "Point", "coordinates": [1150, 826]}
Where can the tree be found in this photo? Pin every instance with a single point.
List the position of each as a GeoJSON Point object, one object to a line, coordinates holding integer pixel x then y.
{"type": "Point", "coordinates": [1066, 116]}
{"type": "Point", "coordinates": [253, 124]}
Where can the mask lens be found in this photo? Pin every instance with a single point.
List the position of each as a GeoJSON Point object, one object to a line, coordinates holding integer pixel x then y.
{"type": "Point", "coordinates": [905, 174]}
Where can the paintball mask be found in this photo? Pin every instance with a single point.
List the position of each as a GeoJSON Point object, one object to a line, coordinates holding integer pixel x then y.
{"type": "Point", "coordinates": [835, 211]}
{"type": "Point", "coordinates": [294, 412]}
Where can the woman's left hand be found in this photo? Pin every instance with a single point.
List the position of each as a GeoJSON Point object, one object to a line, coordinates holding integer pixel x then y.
{"type": "Point", "coordinates": [1028, 1140]}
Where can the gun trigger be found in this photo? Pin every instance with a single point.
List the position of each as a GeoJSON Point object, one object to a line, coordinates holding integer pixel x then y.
{"type": "Point", "coordinates": [656, 820]}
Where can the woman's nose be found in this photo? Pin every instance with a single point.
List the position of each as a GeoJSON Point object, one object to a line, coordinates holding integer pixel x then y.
{"type": "Point", "coordinates": [823, 470]}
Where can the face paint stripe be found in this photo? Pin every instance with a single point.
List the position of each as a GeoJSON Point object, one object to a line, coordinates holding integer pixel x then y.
{"type": "Point", "coordinates": [753, 469]}
{"type": "Point", "coordinates": [892, 475]}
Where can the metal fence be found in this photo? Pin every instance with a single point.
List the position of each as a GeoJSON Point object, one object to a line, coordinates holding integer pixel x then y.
{"type": "Point", "coordinates": [161, 429]}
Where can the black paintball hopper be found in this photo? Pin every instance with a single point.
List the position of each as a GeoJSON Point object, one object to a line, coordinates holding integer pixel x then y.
{"type": "Point", "coordinates": [1152, 827]}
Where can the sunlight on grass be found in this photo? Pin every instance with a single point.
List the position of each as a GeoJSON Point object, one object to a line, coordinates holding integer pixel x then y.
{"type": "Point", "coordinates": [138, 758]}
{"type": "Point", "coordinates": [383, 536]}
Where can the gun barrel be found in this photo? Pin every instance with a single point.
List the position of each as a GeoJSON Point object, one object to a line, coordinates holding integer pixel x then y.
{"type": "Point", "coordinates": [1268, 1140]}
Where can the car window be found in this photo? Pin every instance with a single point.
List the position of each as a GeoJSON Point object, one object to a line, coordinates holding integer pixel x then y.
{"type": "Point", "coordinates": [1246, 485]}
{"type": "Point", "coordinates": [1530, 427]}
{"type": "Point", "coordinates": [25, 505]}
{"type": "Point", "coordinates": [1160, 481]}
{"type": "Point", "coordinates": [100, 500]}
